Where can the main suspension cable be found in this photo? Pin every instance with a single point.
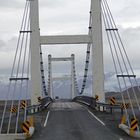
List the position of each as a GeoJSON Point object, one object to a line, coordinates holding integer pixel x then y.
{"type": "Point", "coordinates": [44, 92]}
{"type": "Point", "coordinates": [86, 64]}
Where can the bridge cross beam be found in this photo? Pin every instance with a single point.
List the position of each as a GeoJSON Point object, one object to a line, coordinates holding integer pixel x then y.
{"type": "Point", "coordinates": [95, 38]}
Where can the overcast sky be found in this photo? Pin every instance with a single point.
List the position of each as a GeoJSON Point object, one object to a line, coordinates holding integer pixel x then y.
{"type": "Point", "coordinates": [68, 17]}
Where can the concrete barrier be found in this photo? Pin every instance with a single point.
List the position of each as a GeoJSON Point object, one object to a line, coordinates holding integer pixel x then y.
{"type": "Point", "coordinates": [130, 132]}
{"type": "Point", "coordinates": [28, 126]}
{"type": "Point", "coordinates": [20, 136]}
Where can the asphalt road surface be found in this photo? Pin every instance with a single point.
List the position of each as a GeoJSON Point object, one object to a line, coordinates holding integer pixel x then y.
{"type": "Point", "coordinates": [71, 121]}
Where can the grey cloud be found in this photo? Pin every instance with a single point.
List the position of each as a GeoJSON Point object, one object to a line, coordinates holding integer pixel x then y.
{"type": "Point", "coordinates": [125, 12]}
{"type": "Point", "coordinates": [65, 17]}
{"type": "Point", "coordinates": [69, 17]}
{"type": "Point", "coordinates": [2, 43]}
{"type": "Point", "coordinates": [130, 14]}
{"type": "Point", "coordinates": [9, 45]}
{"type": "Point", "coordinates": [131, 41]}
{"type": "Point", "coordinates": [50, 3]}
{"type": "Point", "coordinates": [131, 36]}
{"type": "Point", "coordinates": [11, 4]}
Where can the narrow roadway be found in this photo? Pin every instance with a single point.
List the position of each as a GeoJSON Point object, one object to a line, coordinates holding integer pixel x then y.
{"type": "Point", "coordinates": [71, 121]}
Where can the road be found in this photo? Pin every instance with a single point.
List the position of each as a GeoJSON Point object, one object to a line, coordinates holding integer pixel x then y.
{"type": "Point", "coordinates": [71, 121]}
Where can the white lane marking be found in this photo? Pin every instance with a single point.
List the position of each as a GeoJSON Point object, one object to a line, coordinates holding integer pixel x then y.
{"type": "Point", "coordinates": [96, 118]}
{"type": "Point", "coordinates": [121, 138]}
{"type": "Point", "coordinates": [46, 119]}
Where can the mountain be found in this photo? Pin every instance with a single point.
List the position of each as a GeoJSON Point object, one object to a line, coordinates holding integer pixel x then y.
{"type": "Point", "coordinates": [62, 88]}
{"type": "Point", "coordinates": [111, 82]}
{"type": "Point", "coordinates": [124, 93]}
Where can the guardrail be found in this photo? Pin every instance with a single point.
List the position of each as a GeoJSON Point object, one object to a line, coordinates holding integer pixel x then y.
{"type": "Point", "coordinates": [91, 102]}
{"type": "Point", "coordinates": [43, 104]}
{"type": "Point", "coordinates": [106, 106]}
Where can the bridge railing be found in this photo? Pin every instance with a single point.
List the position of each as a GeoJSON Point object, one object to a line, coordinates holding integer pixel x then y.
{"type": "Point", "coordinates": [106, 106]}
{"type": "Point", "coordinates": [45, 102]}
{"type": "Point", "coordinates": [36, 108]}
{"type": "Point", "coordinates": [89, 101]}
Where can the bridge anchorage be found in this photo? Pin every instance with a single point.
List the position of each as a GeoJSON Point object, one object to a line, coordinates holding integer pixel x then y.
{"type": "Point", "coordinates": [69, 120]}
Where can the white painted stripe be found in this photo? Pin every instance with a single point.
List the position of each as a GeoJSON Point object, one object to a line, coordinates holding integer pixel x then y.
{"type": "Point", "coordinates": [96, 118]}
{"type": "Point", "coordinates": [46, 119]}
{"type": "Point", "coordinates": [121, 139]}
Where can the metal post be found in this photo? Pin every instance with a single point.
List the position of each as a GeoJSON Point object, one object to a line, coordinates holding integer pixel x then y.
{"type": "Point", "coordinates": [72, 76]}
{"type": "Point", "coordinates": [97, 50]}
{"type": "Point", "coordinates": [50, 76]}
{"type": "Point", "coordinates": [35, 52]}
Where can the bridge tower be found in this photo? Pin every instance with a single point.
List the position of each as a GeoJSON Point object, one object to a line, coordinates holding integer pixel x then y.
{"type": "Point", "coordinates": [35, 52]}
{"type": "Point", "coordinates": [95, 39]}
{"type": "Point", "coordinates": [50, 78]}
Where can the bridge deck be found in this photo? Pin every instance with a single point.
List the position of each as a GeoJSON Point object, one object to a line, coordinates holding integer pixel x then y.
{"type": "Point", "coordinates": [71, 121]}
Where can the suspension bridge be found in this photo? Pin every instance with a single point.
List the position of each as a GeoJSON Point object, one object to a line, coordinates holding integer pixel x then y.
{"type": "Point", "coordinates": [43, 116]}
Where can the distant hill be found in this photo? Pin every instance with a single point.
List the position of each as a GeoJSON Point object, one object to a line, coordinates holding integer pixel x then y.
{"type": "Point", "coordinates": [118, 96]}
{"type": "Point", "coordinates": [63, 88]}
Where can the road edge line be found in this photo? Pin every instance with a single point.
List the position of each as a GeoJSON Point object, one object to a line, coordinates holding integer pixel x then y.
{"type": "Point", "coordinates": [47, 117]}
{"type": "Point", "coordinates": [97, 118]}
